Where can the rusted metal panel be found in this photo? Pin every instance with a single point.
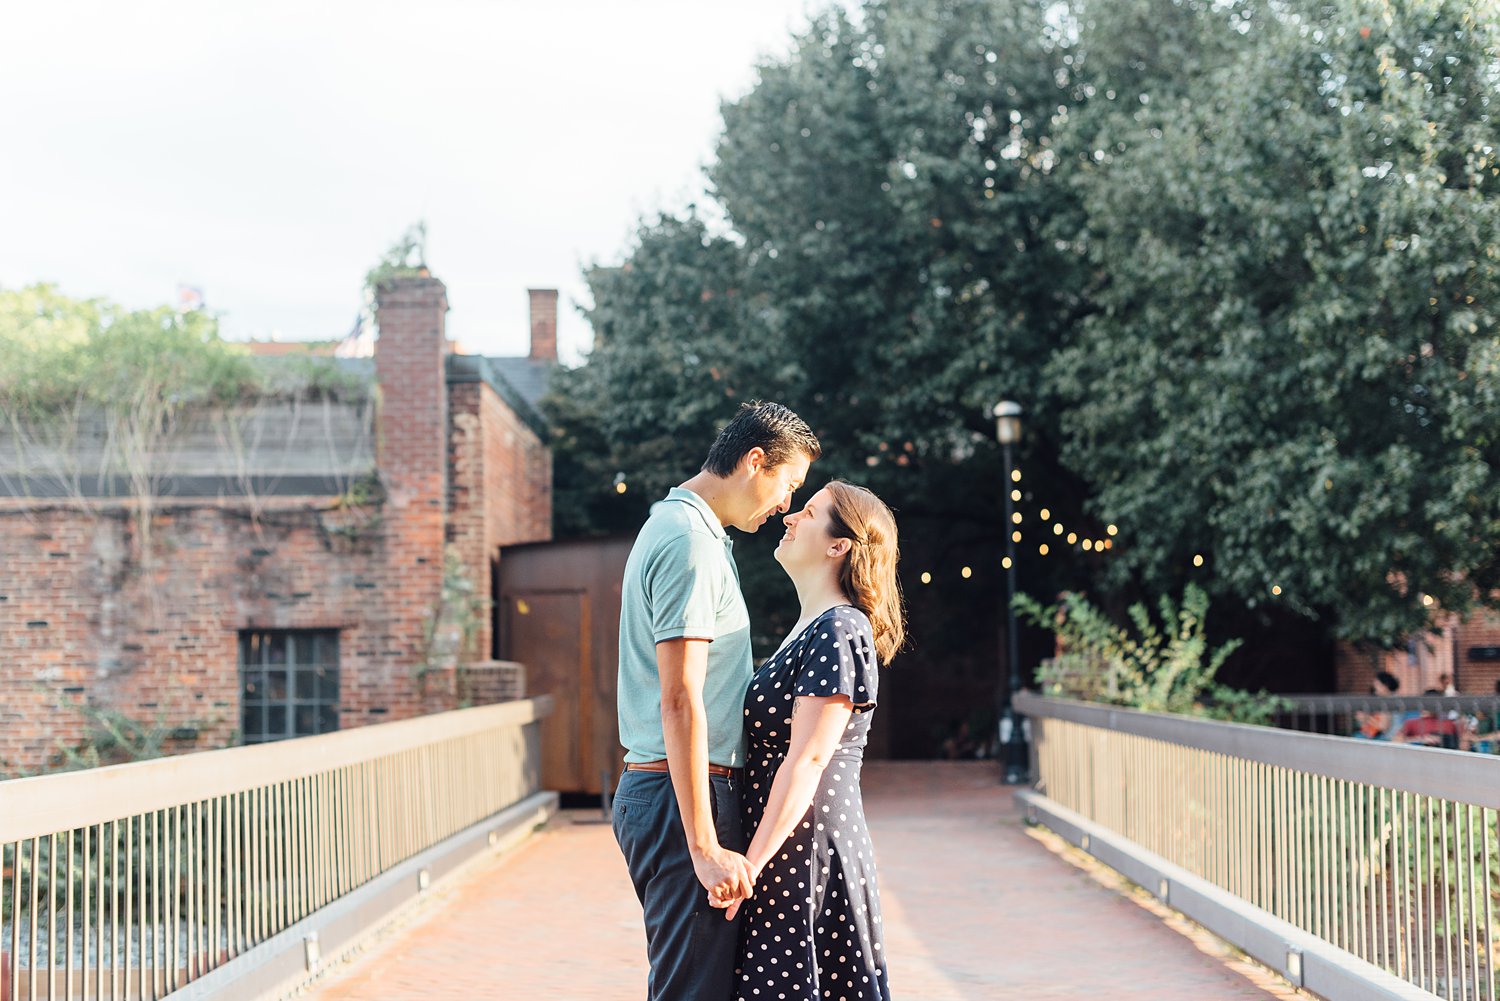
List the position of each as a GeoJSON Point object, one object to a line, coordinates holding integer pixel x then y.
{"type": "Point", "coordinates": [558, 612]}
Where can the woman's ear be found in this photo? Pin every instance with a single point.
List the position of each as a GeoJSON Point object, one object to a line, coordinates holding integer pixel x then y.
{"type": "Point", "coordinates": [839, 547]}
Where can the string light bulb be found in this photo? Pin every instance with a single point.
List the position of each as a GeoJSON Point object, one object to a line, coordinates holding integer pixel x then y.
{"type": "Point", "coordinates": [1088, 544]}
{"type": "Point", "coordinates": [1072, 538]}
{"type": "Point", "coordinates": [1016, 517]}
{"type": "Point", "coordinates": [1198, 560]}
{"type": "Point", "coordinates": [926, 577]}
{"type": "Point", "coordinates": [966, 573]}
{"type": "Point", "coordinates": [1015, 536]}
{"type": "Point", "coordinates": [1276, 589]}
{"type": "Point", "coordinates": [1015, 495]}
{"type": "Point", "coordinates": [1045, 513]}
{"type": "Point", "coordinates": [1057, 529]}
{"type": "Point", "coordinates": [1015, 476]}
{"type": "Point", "coordinates": [1005, 563]}
{"type": "Point", "coordinates": [1042, 549]}
{"type": "Point", "coordinates": [1112, 530]}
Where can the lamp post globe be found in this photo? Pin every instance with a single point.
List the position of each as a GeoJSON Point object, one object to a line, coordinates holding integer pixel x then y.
{"type": "Point", "coordinates": [1013, 750]}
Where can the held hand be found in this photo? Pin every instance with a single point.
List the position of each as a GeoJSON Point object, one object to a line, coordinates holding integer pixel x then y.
{"type": "Point", "coordinates": [725, 874]}
{"type": "Point", "coordinates": [731, 905]}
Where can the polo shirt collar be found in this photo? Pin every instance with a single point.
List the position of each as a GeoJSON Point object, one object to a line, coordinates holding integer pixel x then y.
{"type": "Point", "coordinates": [700, 505]}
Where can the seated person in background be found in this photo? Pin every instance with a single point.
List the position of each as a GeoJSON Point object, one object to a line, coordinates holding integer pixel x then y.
{"type": "Point", "coordinates": [1373, 725]}
{"type": "Point", "coordinates": [1486, 738]}
{"type": "Point", "coordinates": [1430, 729]}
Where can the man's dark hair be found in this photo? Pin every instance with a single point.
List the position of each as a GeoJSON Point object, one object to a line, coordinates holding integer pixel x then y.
{"type": "Point", "coordinates": [1388, 679]}
{"type": "Point", "coordinates": [774, 429]}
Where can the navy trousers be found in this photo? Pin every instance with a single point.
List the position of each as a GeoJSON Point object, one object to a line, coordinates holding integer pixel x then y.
{"type": "Point", "coordinates": [690, 945]}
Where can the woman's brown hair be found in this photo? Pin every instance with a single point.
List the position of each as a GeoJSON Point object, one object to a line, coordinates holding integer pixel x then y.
{"type": "Point", "coordinates": [868, 575]}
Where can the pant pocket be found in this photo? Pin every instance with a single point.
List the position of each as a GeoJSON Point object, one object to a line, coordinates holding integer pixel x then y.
{"type": "Point", "coordinates": [728, 824]}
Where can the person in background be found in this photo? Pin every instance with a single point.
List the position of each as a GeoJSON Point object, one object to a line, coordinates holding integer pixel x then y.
{"type": "Point", "coordinates": [1429, 729]}
{"type": "Point", "coordinates": [1376, 724]}
{"type": "Point", "coordinates": [1486, 738]}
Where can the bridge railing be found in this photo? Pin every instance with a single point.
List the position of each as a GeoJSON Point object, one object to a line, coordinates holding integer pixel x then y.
{"type": "Point", "coordinates": [132, 881]}
{"type": "Point", "coordinates": [1386, 852]}
{"type": "Point", "coordinates": [1473, 720]}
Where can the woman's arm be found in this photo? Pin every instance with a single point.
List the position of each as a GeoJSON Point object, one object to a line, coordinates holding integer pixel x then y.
{"type": "Point", "coordinates": [817, 725]}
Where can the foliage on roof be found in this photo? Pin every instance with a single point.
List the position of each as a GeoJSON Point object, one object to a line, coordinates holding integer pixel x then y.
{"type": "Point", "coordinates": [67, 354]}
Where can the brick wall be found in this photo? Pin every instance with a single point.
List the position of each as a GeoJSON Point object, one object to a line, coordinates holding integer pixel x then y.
{"type": "Point", "coordinates": [501, 493]}
{"type": "Point", "coordinates": [86, 615]}
{"type": "Point", "coordinates": [1444, 651]}
{"type": "Point", "coordinates": [83, 615]}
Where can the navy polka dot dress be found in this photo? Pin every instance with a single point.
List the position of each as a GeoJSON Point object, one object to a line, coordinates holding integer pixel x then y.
{"type": "Point", "coordinates": [812, 930]}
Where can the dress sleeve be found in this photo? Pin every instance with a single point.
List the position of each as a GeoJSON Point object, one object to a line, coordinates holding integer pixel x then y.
{"type": "Point", "coordinates": [839, 659]}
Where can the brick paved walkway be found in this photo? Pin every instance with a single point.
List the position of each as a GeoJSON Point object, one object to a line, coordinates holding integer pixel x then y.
{"type": "Point", "coordinates": [975, 908]}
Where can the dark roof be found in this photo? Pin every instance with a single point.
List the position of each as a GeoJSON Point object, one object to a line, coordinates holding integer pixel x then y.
{"type": "Point", "coordinates": [529, 376]}
{"type": "Point", "coordinates": [520, 382]}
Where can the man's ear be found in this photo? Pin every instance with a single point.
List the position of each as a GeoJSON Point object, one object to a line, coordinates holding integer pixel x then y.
{"type": "Point", "coordinates": [755, 459]}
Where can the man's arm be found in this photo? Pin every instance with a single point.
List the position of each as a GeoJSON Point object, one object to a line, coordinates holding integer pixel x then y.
{"type": "Point", "coordinates": [682, 665]}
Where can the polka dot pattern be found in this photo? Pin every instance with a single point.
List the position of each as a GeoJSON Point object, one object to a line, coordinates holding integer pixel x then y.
{"type": "Point", "coordinates": [812, 931]}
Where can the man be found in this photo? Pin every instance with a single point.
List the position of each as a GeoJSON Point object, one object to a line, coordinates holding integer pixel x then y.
{"type": "Point", "coordinates": [685, 665]}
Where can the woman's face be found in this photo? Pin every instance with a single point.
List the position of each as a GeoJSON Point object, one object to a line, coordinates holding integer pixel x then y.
{"type": "Point", "coordinates": [807, 536]}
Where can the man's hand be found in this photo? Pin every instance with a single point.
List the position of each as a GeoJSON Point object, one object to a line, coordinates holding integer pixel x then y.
{"type": "Point", "coordinates": [729, 903]}
{"type": "Point", "coordinates": [726, 875]}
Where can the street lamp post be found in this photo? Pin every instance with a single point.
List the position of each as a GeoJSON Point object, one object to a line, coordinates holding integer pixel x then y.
{"type": "Point", "coordinates": [1013, 741]}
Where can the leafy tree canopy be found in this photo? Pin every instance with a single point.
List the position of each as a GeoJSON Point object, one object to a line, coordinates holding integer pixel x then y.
{"type": "Point", "coordinates": [1288, 366]}
{"type": "Point", "coordinates": [1237, 260]}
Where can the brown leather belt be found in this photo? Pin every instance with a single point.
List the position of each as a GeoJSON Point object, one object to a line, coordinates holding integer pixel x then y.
{"type": "Point", "coordinates": [661, 766]}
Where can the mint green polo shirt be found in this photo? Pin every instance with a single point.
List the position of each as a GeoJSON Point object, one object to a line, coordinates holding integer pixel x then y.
{"type": "Point", "coordinates": [681, 581]}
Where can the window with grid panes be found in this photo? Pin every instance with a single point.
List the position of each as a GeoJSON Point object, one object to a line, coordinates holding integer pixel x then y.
{"type": "Point", "coordinates": [289, 683]}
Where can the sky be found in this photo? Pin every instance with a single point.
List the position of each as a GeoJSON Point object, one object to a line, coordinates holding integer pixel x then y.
{"type": "Point", "coordinates": [269, 153]}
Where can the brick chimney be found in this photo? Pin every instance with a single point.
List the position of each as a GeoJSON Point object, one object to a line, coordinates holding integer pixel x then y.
{"type": "Point", "coordinates": [543, 323]}
{"type": "Point", "coordinates": [410, 366]}
{"type": "Point", "coordinates": [411, 356]}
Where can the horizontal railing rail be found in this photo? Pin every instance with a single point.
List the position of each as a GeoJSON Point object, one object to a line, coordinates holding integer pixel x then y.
{"type": "Point", "coordinates": [133, 880]}
{"type": "Point", "coordinates": [1390, 853]}
{"type": "Point", "coordinates": [1471, 721]}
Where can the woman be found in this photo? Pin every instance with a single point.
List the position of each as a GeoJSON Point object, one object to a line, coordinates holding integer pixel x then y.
{"type": "Point", "coordinates": [812, 930]}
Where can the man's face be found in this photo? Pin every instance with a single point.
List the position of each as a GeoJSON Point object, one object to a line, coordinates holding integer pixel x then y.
{"type": "Point", "coordinates": [771, 491]}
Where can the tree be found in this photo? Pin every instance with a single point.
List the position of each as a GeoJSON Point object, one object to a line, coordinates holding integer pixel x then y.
{"type": "Point", "coordinates": [884, 271]}
{"type": "Point", "coordinates": [1290, 363]}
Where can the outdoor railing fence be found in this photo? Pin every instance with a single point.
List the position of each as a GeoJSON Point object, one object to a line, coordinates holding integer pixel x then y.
{"type": "Point", "coordinates": [128, 882]}
{"type": "Point", "coordinates": [1389, 852]}
{"type": "Point", "coordinates": [1476, 718]}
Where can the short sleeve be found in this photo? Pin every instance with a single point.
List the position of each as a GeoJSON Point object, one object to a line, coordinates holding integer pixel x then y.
{"type": "Point", "coordinates": [683, 587]}
{"type": "Point", "coordinates": [839, 659]}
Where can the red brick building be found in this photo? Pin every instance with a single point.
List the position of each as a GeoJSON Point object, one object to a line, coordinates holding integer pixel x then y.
{"type": "Point", "coordinates": [1467, 651]}
{"type": "Point", "coordinates": [303, 564]}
